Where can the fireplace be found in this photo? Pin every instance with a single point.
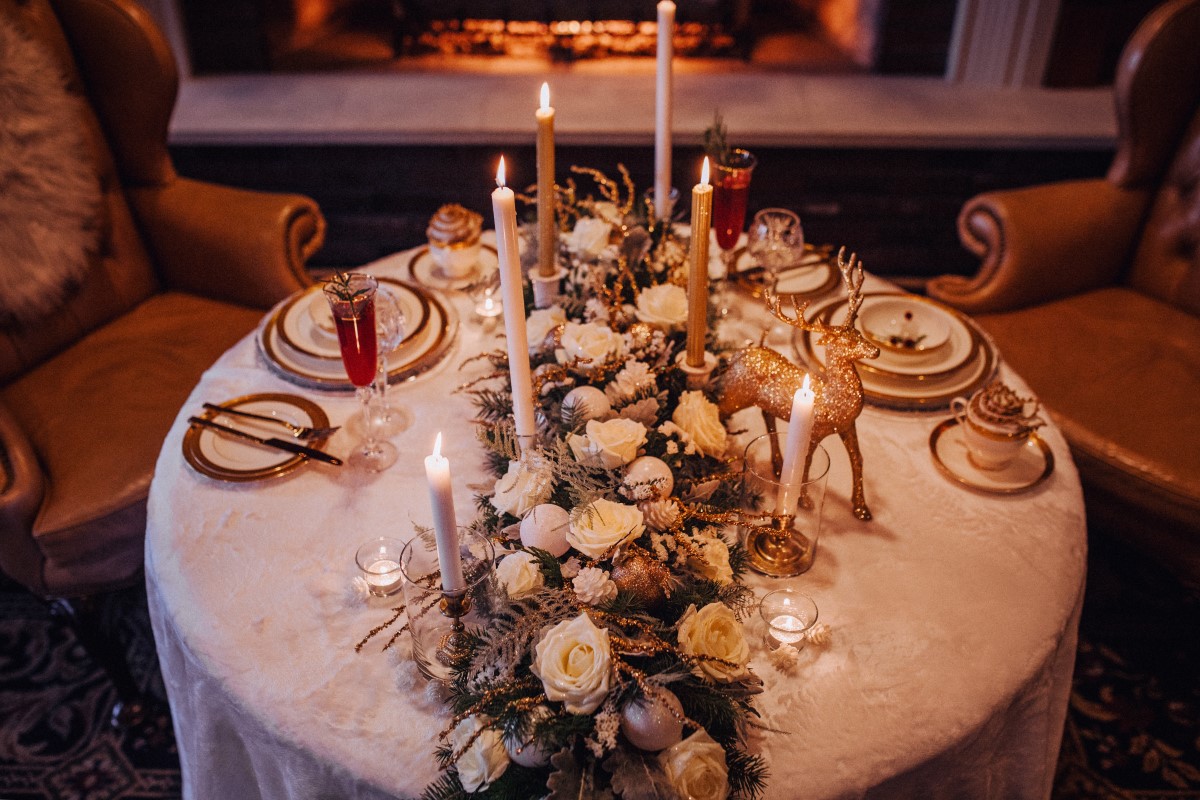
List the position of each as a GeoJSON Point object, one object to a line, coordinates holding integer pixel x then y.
{"type": "Point", "coordinates": [816, 36]}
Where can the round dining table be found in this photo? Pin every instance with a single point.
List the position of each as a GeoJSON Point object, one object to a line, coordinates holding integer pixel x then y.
{"type": "Point", "coordinates": [952, 613]}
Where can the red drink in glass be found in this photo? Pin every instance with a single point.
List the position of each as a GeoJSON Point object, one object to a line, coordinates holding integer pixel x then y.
{"type": "Point", "coordinates": [356, 337]}
{"type": "Point", "coordinates": [731, 191]}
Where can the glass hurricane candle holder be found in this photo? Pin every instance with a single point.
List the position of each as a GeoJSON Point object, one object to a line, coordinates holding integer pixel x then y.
{"type": "Point", "coordinates": [437, 618]}
{"type": "Point", "coordinates": [789, 615]}
{"type": "Point", "coordinates": [379, 565]}
{"type": "Point", "coordinates": [782, 541]}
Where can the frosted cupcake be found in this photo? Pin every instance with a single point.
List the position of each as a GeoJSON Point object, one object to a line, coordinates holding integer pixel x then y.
{"type": "Point", "coordinates": [453, 234]}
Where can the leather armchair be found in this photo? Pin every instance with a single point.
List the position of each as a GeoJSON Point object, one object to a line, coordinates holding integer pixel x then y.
{"type": "Point", "coordinates": [1091, 290]}
{"type": "Point", "coordinates": [183, 269]}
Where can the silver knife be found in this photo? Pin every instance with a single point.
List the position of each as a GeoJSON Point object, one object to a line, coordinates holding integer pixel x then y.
{"type": "Point", "coordinates": [278, 444]}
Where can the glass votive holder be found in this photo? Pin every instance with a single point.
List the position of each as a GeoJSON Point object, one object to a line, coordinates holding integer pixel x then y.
{"type": "Point", "coordinates": [436, 617]}
{"type": "Point", "coordinates": [789, 615]}
{"type": "Point", "coordinates": [781, 534]}
{"type": "Point", "coordinates": [379, 565]}
{"type": "Point", "coordinates": [485, 295]}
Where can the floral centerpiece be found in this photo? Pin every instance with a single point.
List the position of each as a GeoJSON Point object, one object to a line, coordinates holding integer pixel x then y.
{"type": "Point", "coordinates": [617, 665]}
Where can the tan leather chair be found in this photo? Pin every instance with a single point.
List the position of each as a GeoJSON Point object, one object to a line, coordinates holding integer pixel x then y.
{"type": "Point", "coordinates": [182, 271]}
{"type": "Point", "coordinates": [1091, 289]}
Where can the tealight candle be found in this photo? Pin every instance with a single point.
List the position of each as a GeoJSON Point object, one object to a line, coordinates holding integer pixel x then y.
{"type": "Point", "coordinates": [379, 564]}
{"type": "Point", "coordinates": [789, 615]}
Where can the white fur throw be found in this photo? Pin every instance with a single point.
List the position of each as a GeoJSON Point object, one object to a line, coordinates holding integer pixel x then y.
{"type": "Point", "coordinates": [49, 189]}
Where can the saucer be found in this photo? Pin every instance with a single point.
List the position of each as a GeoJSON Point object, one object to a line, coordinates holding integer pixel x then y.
{"type": "Point", "coordinates": [425, 272]}
{"type": "Point", "coordinates": [1032, 465]}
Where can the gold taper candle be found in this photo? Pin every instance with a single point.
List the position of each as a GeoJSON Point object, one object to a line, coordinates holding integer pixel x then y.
{"type": "Point", "coordinates": [697, 288]}
{"type": "Point", "coordinates": [547, 225]}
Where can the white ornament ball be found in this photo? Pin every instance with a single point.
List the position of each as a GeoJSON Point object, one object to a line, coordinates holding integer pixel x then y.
{"type": "Point", "coordinates": [648, 469]}
{"type": "Point", "coordinates": [530, 754]}
{"type": "Point", "coordinates": [545, 527]}
{"type": "Point", "coordinates": [649, 724]}
{"type": "Point", "coordinates": [586, 403]}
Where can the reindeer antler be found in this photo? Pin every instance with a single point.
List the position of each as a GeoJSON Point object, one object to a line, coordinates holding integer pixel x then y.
{"type": "Point", "coordinates": [773, 305]}
{"type": "Point", "coordinates": [852, 274]}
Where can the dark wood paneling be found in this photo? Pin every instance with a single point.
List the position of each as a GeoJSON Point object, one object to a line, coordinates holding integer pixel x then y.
{"type": "Point", "coordinates": [896, 208]}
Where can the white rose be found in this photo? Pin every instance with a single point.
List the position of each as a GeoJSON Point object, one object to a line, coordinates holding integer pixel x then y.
{"type": "Point", "coordinates": [590, 341]}
{"type": "Point", "coordinates": [715, 632]}
{"type": "Point", "coordinates": [713, 562]}
{"type": "Point", "coordinates": [701, 420]}
{"type": "Point", "coordinates": [575, 664]}
{"type": "Point", "coordinates": [602, 525]}
{"type": "Point", "coordinates": [664, 305]}
{"type": "Point", "coordinates": [527, 483]}
{"type": "Point", "coordinates": [696, 767]}
{"type": "Point", "coordinates": [593, 586]}
{"type": "Point", "coordinates": [634, 377]}
{"type": "Point", "coordinates": [541, 323]}
{"type": "Point", "coordinates": [520, 573]}
{"type": "Point", "coordinates": [485, 760]}
{"type": "Point", "coordinates": [608, 444]}
{"type": "Point", "coordinates": [589, 237]}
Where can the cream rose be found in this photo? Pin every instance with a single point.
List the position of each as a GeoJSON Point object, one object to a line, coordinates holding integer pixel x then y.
{"type": "Point", "coordinates": [527, 483]}
{"type": "Point", "coordinates": [609, 444]}
{"type": "Point", "coordinates": [485, 760]}
{"type": "Point", "coordinates": [696, 767]}
{"type": "Point", "coordinates": [540, 323]}
{"type": "Point", "coordinates": [590, 341]}
{"type": "Point", "coordinates": [575, 664]}
{"type": "Point", "coordinates": [715, 632]}
{"type": "Point", "coordinates": [520, 574]}
{"type": "Point", "coordinates": [701, 421]}
{"type": "Point", "coordinates": [664, 305]}
{"type": "Point", "coordinates": [589, 237]}
{"type": "Point", "coordinates": [603, 524]}
{"type": "Point", "coordinates": [634, 377]}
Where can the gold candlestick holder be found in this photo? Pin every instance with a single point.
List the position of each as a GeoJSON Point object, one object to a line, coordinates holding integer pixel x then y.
{"type": "Point", "coordinates": [777, 549]}
{"type": "Point", "coordinates": [454, 642]}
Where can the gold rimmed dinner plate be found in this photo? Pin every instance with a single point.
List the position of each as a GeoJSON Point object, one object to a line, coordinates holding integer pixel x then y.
{"type": "Point", "coordinates": [298, 329]}
{"type": "Point", "coordinates": [422, 269]}
{"type": "Point", "coordinates": [813, 275]}
{"type": "Point", "coordinates": [417, 355]}
{"type": "Point", "coordinates": [1032, 465]}
{"type": "Point", "coordinates": [906, 392]}
{"type": "Point", "coordinates": [226, 458]}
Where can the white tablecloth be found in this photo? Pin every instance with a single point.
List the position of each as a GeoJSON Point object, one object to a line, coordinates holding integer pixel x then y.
{"type": "Point", "coordinates": [954, 615]}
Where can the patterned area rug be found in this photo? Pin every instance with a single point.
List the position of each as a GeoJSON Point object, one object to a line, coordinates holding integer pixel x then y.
{"type": "Point", "coordinates": [1132, 733]}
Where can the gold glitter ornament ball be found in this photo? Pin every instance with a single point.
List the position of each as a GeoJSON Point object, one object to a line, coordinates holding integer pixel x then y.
{"type": "Point", "coordinates": [641, 575]}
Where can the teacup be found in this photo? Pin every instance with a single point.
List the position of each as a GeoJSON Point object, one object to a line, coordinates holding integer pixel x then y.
{"type": "Point", "coordinates": [995, 426]}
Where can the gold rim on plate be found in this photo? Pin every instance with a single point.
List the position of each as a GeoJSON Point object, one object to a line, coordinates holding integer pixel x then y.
{"type": "Point", "coordinates": [814, 258]}
{"type": "Point", "coordinates": [411, 332]}
{"type": "Point", "coordinates": [439, 335]}
{"type": "Point", "coordinates": [194, 455]}
{"type": "Point", "coordinates": [981, 348]}
{"type": "Point", "coordinates": [974, 478]}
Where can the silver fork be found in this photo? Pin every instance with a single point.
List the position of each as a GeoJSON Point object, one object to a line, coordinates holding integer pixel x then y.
{"type": "Point", "coordinates": [297, 431]}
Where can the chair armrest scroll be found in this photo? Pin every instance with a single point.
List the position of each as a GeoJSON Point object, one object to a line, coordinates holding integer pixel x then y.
{"type": "Point", "coordinates": [22, 487]}
{"type": "Point", "coordinates": [1042, 243]}
{"type": "Point", "coordinates": [231, 244]}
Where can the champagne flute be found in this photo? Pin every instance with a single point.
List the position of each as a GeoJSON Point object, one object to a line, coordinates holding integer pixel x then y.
{"type": "Point", "coordinates": [775, 241]}
{"type": "Point", "coordinates": [731, 193]}
{"type": "Point", "coordinates": [390, 327]}
{"type": "Point", "coordinates": [351, 298]}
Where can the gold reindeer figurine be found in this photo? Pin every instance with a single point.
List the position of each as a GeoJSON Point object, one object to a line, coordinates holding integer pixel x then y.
{"type": "Point", "coordinates": [759, 376]}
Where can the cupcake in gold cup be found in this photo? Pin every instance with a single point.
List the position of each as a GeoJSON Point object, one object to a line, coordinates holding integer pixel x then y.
{"type": "Point", "coordinates": [453, 234]}
{"type": "Point", "coordinates": [996, 424]}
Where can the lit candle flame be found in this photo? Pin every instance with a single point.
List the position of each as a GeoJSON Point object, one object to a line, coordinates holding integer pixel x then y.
{"type": "Point", "coordinates": [704, 172]}
{"type": "Point", "coordinates": [545, 96]}
{"type": "Point", "coordinates": [437, 446]}
{"type": "Point", "coordinates": [500, 173]}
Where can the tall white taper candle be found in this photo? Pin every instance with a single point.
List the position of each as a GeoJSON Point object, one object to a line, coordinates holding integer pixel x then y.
{"type": "Point", "coordinates": [445, 526]}
{"type": "Point", "coordinates": [504, 210]}
{"type": "Point", "coordinates": [662, 109]}
{"type": "Point", "coordinates": [795, 451]}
